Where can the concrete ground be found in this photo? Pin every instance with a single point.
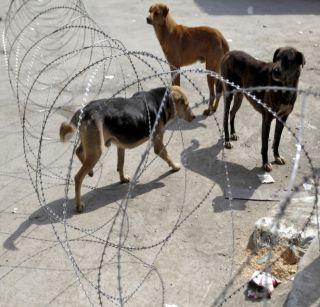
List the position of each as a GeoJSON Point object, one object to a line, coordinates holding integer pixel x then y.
{"type": "Point", "coordinates": [199, 258]}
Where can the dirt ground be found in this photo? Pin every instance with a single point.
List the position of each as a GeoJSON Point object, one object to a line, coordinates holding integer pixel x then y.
{"type": "Point", "coordinates": [208, 249]}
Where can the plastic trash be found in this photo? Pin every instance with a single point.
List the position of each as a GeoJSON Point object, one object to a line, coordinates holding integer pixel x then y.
{"type": "Point", "coordinates": [261, 285]}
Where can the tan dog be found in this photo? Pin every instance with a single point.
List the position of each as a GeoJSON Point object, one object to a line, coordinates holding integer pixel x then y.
{"type": "Point", "coordinates": [186, 45]}
{"type": "Point", "coordinates": [124, 122]}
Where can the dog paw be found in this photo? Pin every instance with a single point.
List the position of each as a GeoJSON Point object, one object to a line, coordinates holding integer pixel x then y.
{"type": "Point", "coordinates": [125, 179]}
{"type": "Point", "coordinates": [80, 207]}
{"type": "Point", "coordinates": [90, 173]}
{"type": "Point", "coordinates": [207, 112]}
{"type": "Point", "coordinates": [228, 145]}
{"type": "Point", "coordinates": [267, 167]}
{"type": "Point", "coordinates": [234, 137]}
{"type": "Point", "coordinates": [176, 167]}
{"type": "Point", "coordinates": [279, 160]}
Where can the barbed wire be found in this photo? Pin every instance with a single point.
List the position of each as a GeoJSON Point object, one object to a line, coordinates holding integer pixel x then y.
{"type": "Point", "coordinates": [71, 58]}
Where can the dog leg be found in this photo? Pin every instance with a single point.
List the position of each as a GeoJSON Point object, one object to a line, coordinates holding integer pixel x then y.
{"type": "Point", "coordinates": [80, 155]}
{"type": "Point", "coordinates": [160, 150]}
{"type": "Point", "coordinates": [266, 123]}
{"type": "Point", "coordinates": [88, 164]}
{"type": "Point", "coordinates": [276, 141]}
{"type": "Point", "coordinates": [227, 102]}
{"type": "Point", "coordinates": [213, 105]}
{"type": "Point", "coordinates": [91, 137]}
{"type": "Point", "coordinates": [236, 105]}
{"type": "Point", "coordinates": [123, 178]}
{"type": "Point", "coordinates": [175, 76]}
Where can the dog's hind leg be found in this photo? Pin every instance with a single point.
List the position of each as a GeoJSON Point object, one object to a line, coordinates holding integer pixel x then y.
{"type": "Point", "coordinates": [276, 141]}
{"type": "Point", "coordinates": [236, 105]}
{"type": "Point", "coordinates": [92, 146]}
{"type": "Point", "coordinates": [123, 178]}
{"type": "Point", "coordinates": [212, 105]}
{"type": "Point", "coordinates": [80, 155]}
{"type": "Point", "coordinates": [227, 102]}
{"type": "Point", "coordinates": [175, 76]}
{"type": "Point", "coordinates": [160, 150]}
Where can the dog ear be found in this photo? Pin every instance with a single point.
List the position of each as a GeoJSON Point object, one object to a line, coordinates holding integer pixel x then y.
{"type": "Point", "coordinates": [275, 55]}
{"type": "Point", "coordinates": [300, 59]}
{"type": "Point", "coordinates": [175, 95]}
{"type": "Point", "coordinates": [165, 11]}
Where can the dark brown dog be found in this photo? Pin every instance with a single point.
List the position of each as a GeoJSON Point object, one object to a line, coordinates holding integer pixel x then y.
{"type": "Point", "coordinates": [246, 71]}
{"type": "Point", "coordinates": [186, 45]}
{"type": "Point", "coordinates": [125, 123]}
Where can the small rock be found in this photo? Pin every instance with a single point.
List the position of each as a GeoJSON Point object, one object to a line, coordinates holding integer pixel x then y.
{"type": "Point", "coordinates": [290, 256]}
{"type": "Point", "coordinates": [109, 77]}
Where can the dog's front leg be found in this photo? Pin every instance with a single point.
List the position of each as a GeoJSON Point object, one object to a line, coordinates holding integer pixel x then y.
{"type": "Point", "coordinates": [227, 102]}
{"type": "Point", "coordinates": [276, 141]}
{"type": "Point", "coordinates": [266, 123]}
{"type": "Point", "coordinates": [120, 164]}
{"type": "Point", "coordinates": [160, 150]}
{"type": "Point", "coordinates": [175, 76]}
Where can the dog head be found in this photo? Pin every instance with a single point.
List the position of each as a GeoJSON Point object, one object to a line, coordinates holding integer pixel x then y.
{"type": "Point", "coordinates": [157, 14]}
{"type": "Point", "coordinates": [287, 66]}
{"type": "Point", "coordinates": [181, 104]}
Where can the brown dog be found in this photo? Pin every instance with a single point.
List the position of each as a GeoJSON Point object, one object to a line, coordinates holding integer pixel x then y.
{"type": "Point", "coordinates": [125, 123]}
{"type": "Point", "coordinates": [185, 45]}
{"type": "Point", "coordinates": [246, 71]}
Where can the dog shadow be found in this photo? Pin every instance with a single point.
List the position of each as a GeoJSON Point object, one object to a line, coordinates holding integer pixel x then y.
{"type": "Point", "coordinates": [206, 163]}
{"type": "Point", "coordinates": [94, 199]}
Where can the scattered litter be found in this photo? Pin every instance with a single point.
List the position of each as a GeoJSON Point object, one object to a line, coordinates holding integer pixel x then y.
{"type": "Point", "coordinates": [307, 186]}
{"type": "Point", "coordinates": [265, 178]}
{"type": "Point", "coordinates": [250, 10]}
{"type": "Point", "coordinates": [250, 193]}
{"type": "Point", "coordinates": [300, 32]}
{"type": "Point", "coordinates": [261, 285]}
{"type": "Point", "coordinates": [109, 77]}
{"type": "Point", "coordinates": [14, 210]}
{"type": "Point", "coordinates": [265, 258]}
{"type": "Point", "coordinates": [229, 40]}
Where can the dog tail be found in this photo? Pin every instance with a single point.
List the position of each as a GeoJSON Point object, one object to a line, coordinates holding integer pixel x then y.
{"type": "Point", "coordinates": [66, 131]}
